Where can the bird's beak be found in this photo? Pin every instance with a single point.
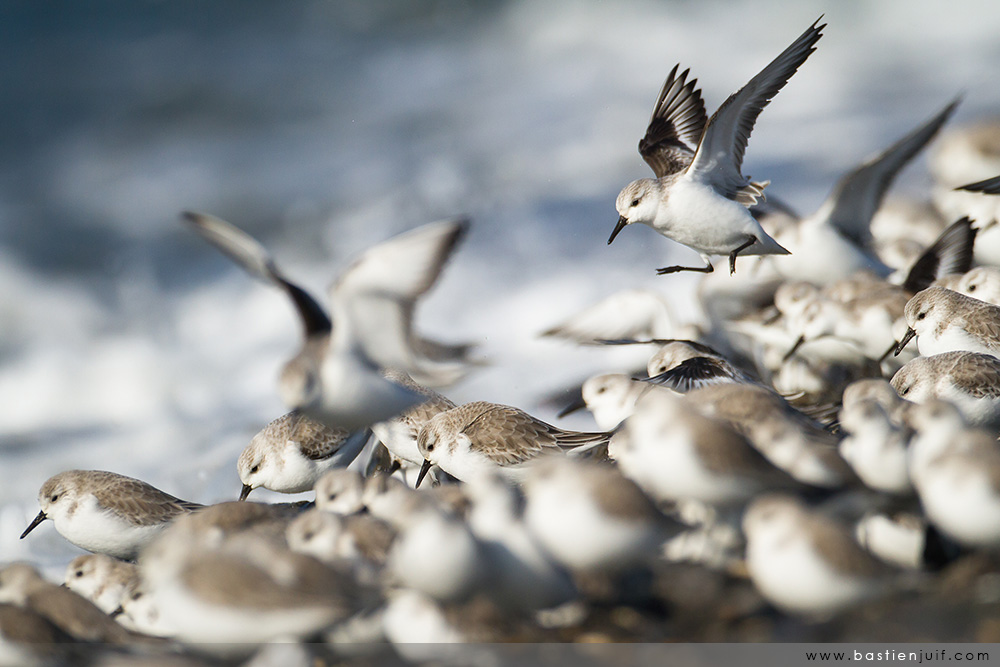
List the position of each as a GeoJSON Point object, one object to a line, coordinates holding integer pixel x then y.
{"type": "Point", "coordinates": [575, 406]}
{"type": "Point", "coordinates": [423, 473]}
{"type": "Point", "coordinates": [885, 355]}
{"type": "Point", "coordinates": [622, 221]}
{"type": "Point", "coordinates": [245, 492]}
{"type": "Point", "coordinates": [31, 526]}
{"type": "Point", "coordinates": [910, 333]}
{"type": "Point", "coordinates": [795, 348]}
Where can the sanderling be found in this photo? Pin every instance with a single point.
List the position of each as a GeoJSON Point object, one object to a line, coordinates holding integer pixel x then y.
{"type": "Point", "coordinates": [22, 585]}
{"type": "Point", "coordinates": [789, 439]}
{"type": "Point", "coordinates": [878, 390]}
{"type": "Point", "coordinates": [437, 554]}
{"type": "Point", "coordinates": [807, 563]}
{"type": "Point", "coordinates": [230, 594]}
{"type": "Point", "coordinates": [399, 434]}
{"type": "Point", "coordinates": [700, 196]}
{"type": "Point", "coordinates": [683, 365]}
{"type": "Point", "coordinates": [876, 448]}
{"type": "Point", "coordinates": [591, 518]}
{"type": "Point", "coordinates": [609, 397]}
{"type": "Point", "coordinates": [360, 541]}
{"type": "Point", "coordinates": [104, 512]}
{"type": "Point", "coordinates": [674, 453]}
{"type": "Point", "coordinates": [898, 538]}
{"type": "Point", "coordinates": [632, 313]}
{"type": "Point", "coordinates": [946, 321]}
{"type": "Point", "coordinates": [28, 639]}
{"type": "Point", "coordinates": [293, 451]}
{"type": "Point", "coordinates": [524, 578]}
{"type": "Point", "coordinates": [336, 376]}
{"type": "Point", "coordinates": [956, 471]}
{"type": "Point", "coordinates": [101, 579]}
{"type": "Point", "coordinates": [982, 282]}
{"type": "Point", "coordinates": [970, 380]}
{"type": "Point", "coordinates": [340, 492]}
{"type": "Point", "coordinates": [479, 437]}
{"type": "Point", "coordinates": [836, 241]}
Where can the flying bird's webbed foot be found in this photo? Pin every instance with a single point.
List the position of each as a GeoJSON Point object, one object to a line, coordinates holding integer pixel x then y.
{"type": "Point", "coordinates": [732, 256]}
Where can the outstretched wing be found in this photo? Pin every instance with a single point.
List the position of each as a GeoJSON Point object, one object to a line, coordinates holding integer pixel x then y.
{"type": "Point", "coordinates": [719, 157]}
{"type": "Point", "coordinates": [858, 194]}
{"type": "Point", "coordinates": [675, 127]}
{"type": "Point", "coordinates": [375, 297]}
{"type": "Point", "coordinates": [253, 258]}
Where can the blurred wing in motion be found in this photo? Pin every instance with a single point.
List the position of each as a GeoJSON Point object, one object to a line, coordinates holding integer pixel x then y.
{"type": "Point", "coordinates": [376, 295]}
{"type": "Point", "coordinates": [253, 258]}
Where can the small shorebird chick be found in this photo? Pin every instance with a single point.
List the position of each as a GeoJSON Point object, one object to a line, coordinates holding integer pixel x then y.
{"type": "Point", "coordinates": [22, 585]}
{"type": "Point", "coordinates": [970, 380]}
{"type": "Point", "coordinates": [101, 579]}
{"type": "Point", "coordinates": [806, 563]}
{"type": "Point", "coordinates": [104, 512]}
{"type": "Point", "coordinates": [591, 518]}
{"type": "Point", "coordinates": [293, 451]}
{"type": "Point", "coordinates": [480, 437]}
{"type": "Point", "coordinates": [946, 321]}
{"type": "Point", "coordinates": [700, 197]}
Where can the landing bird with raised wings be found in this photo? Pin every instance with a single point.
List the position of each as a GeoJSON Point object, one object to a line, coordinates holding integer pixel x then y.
{"type": "Point", "coordinates": [700, 196]}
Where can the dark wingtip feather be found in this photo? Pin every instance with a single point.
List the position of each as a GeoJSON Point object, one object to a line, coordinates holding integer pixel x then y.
{"type": "Point", "coordinates": [951, 253]}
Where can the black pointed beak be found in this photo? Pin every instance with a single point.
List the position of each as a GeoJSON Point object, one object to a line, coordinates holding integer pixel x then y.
{"type": "Point", "coordinates": [577, 405]}
{"type": "Point", "coordinates": [245, 492]}
{"type": "Point", "coordinates": [622, 221]}
{"type": "Point", "coordinates": [31, 526]}
{"type": "Point", "coordinates": [910, 333]}
{"type": "Point", "coordinates": [423, 473]}
{"type": "Point", "coordinates": [795, 348]}
{"type": "Point", "coordinates": [885, 355]}
{"type": "Point", "coordinates": [118, 611]}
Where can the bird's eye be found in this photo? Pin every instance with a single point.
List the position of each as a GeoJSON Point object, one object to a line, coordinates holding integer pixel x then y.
{"type": "Point", "coordinates": [904, 391]}
{"type": "Point", "coordinates": [254, 469]}
{"type": "Point", "coordinates": [635, 202]}
{"type": "Point", "coordinates": [921, 316]}
{"type": "Point", "coordinates": [600, 390]}
{"type": "Point", "coordinates": [308, 536]}
{"type": "Point", "coordinates": [430, 446]}
{"type": "Point", "coordinates": [972, 288]}
{"type": "Point", "coordinates": [79, 573]}
{"type": "Point", "coordinates": [55, 497]}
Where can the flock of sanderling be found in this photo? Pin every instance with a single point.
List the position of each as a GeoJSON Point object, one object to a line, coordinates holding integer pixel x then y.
{"type": "Point", "coordinates": [766, 446]}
